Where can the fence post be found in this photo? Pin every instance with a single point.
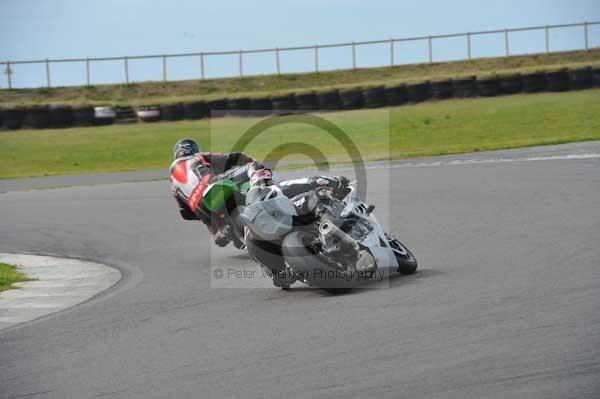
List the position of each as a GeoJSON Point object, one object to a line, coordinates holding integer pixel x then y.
{"type": "Point", "coordinates": [391, 52]}
{"type": "Point", "coordinates": [202, 66]}
{"type": "Point", "coordinates": [469, 46]}
{"type": "Point", "coordinates": [430, 50]}
{"type": "Point", "coordinates": [353, 55]}
{"type": "Point", "coordinates": [48, 72]}
{"type": "Point", "coordinates": [547, 32]}
{"type": "Point", "coordinates": [164, 65]}
{"type": "Point", "coordinates": [8, 73]}
{"type": "Point", "coordinates": [87, 71]}
{"type": "Point", "coordinates": [585, 31]}
{"type": "Point", "coordinates": [126, 70]}
{"type": "Point", "coordinates": [506, 48]}
{"type": "Point", "coordinates": [277, 61]}
{"type": "Point", "coordinates": [317, 58]}
{"type": "Point", "coordinates": [241, 62]}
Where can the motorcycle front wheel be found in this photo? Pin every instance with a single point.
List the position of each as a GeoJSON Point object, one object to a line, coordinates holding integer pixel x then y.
{"type": "Point", "coordinates": [309, 265]}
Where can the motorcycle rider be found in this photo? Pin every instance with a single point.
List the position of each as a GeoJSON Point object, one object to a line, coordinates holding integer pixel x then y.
{"type": "Point", "coordinates": [192, 171]}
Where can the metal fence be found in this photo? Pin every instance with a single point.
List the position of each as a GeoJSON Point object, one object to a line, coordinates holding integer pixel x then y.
{"type": "Point", "coordinates": [202, 56]}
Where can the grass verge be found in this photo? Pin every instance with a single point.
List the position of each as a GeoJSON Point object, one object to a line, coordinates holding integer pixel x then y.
{"type": "Point", "coordinates": [433, 128]}
{"type": "Point", "coordinates": [144, 93]}
{"type": "Point", "coordinates": [10, 275]}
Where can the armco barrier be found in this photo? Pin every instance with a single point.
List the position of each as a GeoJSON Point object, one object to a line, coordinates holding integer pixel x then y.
{"type": "Point", "coordinates": [510, 84]}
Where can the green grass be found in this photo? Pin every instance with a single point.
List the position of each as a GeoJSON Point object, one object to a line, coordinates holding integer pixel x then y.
{"type": "Point", "coordinates": [145, 93]}
{"type": "Point", "coordinates": [433, 128]}
{"type": "Point", "coordinates": [10, 275]}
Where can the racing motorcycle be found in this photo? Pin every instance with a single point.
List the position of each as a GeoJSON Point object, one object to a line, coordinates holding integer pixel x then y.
{"type": "Point", "coordinates": [321, 240]}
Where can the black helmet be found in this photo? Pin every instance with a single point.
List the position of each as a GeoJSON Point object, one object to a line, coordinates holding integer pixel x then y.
{"type": "Point", "coordinates": [184, 148]}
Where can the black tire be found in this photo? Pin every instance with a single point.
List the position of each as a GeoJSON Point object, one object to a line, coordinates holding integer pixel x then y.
{"type": "Point", "coordinates": [596, 76]}
{"type": "Point", "coordinates": [581, 79]}
{"type": "Point", "coordinates": [125, 114]}
{"type": "Point", "coordinates": [13, 118]}
{"type": "Point", "coordinates": [534, 82]}
{"type": "Point", "coordinates": [418, 92]}
{"type": "Point", "coordinates": [407, 262]}
{"type": "Point", "coordinates": [306, 102]}
{"type": "Point", "coordinates": [148, 113]}
{"type": "Point", "coordinates": [237, 229]}
{"type": "Point", "coordinates": [374, 97]}
{"type": "Point", "coordinates": [510, 84]}
{"type": "Point", "coordinates": [1, 118]}
{"type": "Point", "coordinates": [194, 110]}
{"type": "Point", "coordinates": [283, 104]}
{"type": "Point", "coordinates": [395, 95]}
{"type": "Point", "coordinates": [441, 90]}
{"type": "Point", "coordinates": [83, 115]}
{"type": "Point", "coordinates": [216, 108]}
{"type": "Point", "coordinates": [557, 80]}
{"type": "Point", "coordinates": [311, 266]}
{"type": "Point", "coordinates": [171, 112]}
{"type": "Point", "coordinates": [488, 87]}
{"type": "Point", "coordinates": [61, 116]}
{"type": "Point", "coordinates": [238, 106]}
{"type": "Point", "coordinates": [351, 98]}
{"type": "Point", "coordinates": [465, 87]}
{"type": "Point", "coordinates": [261, 106]}
{"type": "Point", "coordinates": [37, 118]}
{"type": "Point", "coordinates": [329, 100]}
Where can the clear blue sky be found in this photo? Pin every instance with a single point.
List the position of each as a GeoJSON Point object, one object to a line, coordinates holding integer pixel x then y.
{"type": "Point", "coordinates": [39, 29]}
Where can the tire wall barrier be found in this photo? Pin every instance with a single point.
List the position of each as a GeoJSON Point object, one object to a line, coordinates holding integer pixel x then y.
{"type": "Point", "coordinates": [63, 116]}
{"type": "Point", "coordinates": [417, 92]}
{"type": "Point", "coordinates": [510, 84]}
{"type": "Point", "coordinates": [83, 115]}
{"type": "Point", "coordinates": [306, 101]}
{"type": "Point", "coordinates": [396, 95]}
{"type": "Point", "coordinates": [465, 87]}
{"type": "Point", "coordinates": [534, 82]}
{"type": "Point", "coordinates": [374, 97]}
{"type": "Point", "coordinates": [37, 117]}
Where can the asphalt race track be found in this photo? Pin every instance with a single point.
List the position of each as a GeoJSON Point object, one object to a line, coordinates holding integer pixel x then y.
{"type": "Point", "coordinates": [505, 304]}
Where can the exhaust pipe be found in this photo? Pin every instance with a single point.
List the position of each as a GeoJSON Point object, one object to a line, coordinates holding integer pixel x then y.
{"type": "Point", "coordinates": [328, 228]}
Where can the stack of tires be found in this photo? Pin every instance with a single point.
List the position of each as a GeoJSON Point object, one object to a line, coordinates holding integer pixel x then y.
{"type": "Point", "coordinates": [374, 97]}
{"type": "Point", "coordinates": [306, 101]}
{"type": "Point", "coordinates": [194, 110]}
{"type": "Point", "coordinates": [396, 95]}
{"type": "Point", "coordinates": [351, 98]}
{"type": "Point", "coordinates": [329, 100]}
{"type": "Point", "coordinates": [464, 87]}
{"type": "Point", "coordinates": [148, 113]}
{"type": "Point", "coordinates": [104, 116]}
